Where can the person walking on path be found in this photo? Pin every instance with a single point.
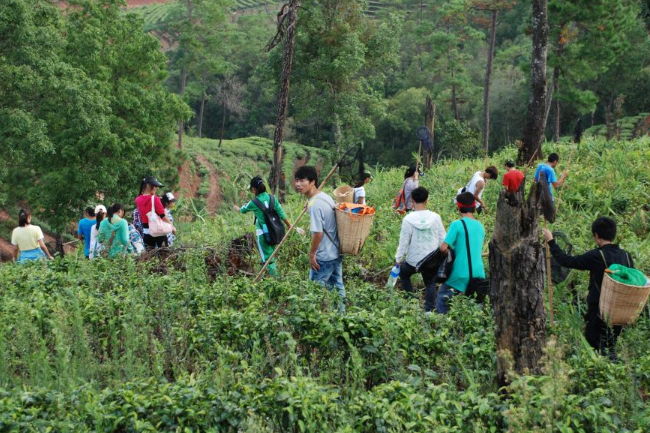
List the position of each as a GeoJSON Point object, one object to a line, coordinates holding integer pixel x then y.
{"type": "Point", "coordinates": [468, 228]}
{"type": "Point", "coordinates": [476, 186]}
{"type": "Point", "coordinates": [263, 198]}
{"type": "Point", "coordinates": [598, 334]}
{"type": "Point", "coordinates": [513, 178]}
{"type": "Point", "coordinates": [148, 188]}
{"type": "Point", "coordinates": [359, 194]}
{"type": "Point", "coordinates": [548, 169]}
{"type": "Point", "coordinates": [326, 264]}
{"type": "Point", "coordinates": [411, 181]}
{"type": "Point", "coordinates": [421, 234]}
{"type": "Point", "coordinates": [96, 247]}
{"type": "Point", "coordinates": [28, 240]}
{"type": "Point", "coordinates": [114, 232]}
{"type": "Point", "coordinates": [85, 227]}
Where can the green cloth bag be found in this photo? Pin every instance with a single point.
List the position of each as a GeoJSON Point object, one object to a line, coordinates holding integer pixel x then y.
{"type": "Point", "coordinates": [630, 276]}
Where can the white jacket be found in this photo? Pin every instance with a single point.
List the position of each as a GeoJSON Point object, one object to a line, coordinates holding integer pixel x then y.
{"type": "Point", "coordinates": [422, 232]}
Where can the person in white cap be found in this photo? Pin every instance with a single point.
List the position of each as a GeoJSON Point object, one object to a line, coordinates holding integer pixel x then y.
{"type": "Point", "coordinates": [169, 201]}
{"type": "Point", "coordinates": [95, 246]}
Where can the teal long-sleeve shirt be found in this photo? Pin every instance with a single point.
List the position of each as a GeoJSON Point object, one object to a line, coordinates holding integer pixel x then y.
{"type": "Point", "coordinates": [265, 198]}
{"type": "Point", "coordinates": [120, 243]}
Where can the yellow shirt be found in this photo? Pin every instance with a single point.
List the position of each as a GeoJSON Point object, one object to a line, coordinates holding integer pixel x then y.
{"type": "Point", "coordinates": [27, 237]}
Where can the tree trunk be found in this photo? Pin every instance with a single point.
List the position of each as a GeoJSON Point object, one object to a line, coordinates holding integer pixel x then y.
{"type": "Point", "coordinates": [556, 99]}
{"type": "Point", "coordinates": [533, 133]}
{"type": "Point", "coordinates": [181, 124]}
{"type": "Point", "coordinates": [488, 80]}
{"type": "Point", "coordinates": [430, 112]}
{"type": "Point", "coordinates": [517, 271]}
{"type": "Point", "coordinates": [223, 121]}
{"type": "Point", "coordinates": [454, 102]}
{"type": "Point", "coordinates": [277, 183]}
{"type": "Point", "coordinates": [201, 111]}
{"type": "Point", "coordinates": [59, 244]}
{"type": "Point", "coordinates": [609, 119]}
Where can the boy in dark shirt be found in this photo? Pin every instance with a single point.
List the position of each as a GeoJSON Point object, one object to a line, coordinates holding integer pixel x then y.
{"type": "Point", "coordinates": [599, 335]}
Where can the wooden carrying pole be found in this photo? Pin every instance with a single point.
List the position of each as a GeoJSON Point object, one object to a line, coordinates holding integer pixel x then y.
{"type": "Point", "coordinates": [286, 235]}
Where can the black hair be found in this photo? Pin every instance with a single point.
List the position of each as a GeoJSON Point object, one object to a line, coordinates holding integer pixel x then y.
{"type": "Point", "coordinates": [99, 217]}
{"type": "Point", "coordinates": [420, 194]}
{"type": "Point", "coordinates": [466, 198]}
{"type": "Point", "coordinates": [553, 157]}
{"type": "Point", "coordinates": [306, 172]}
{"type": "Point", "coordinates": [362, 180]}
{"type": "Point", "coordinates": [258, 183]}
{"type": "Point", "coordinates": [23, 216]}
{"type": "Point", "coordinates": [509, 164]}
{"type": "Point", "coordinates": [143, 185]}
{"type": "Point", "coordinates": [605, 228]}
{"type": "Point", "coordinates": [410, 171]}
{"type": "Point", "coordinates": [165, 200]}
{"type": "Point", "coordinates": [492, 170]}
{"type": "Point", "coordinates": [90, 211]}
{"type": "Point", "coordinates": [113, 210]}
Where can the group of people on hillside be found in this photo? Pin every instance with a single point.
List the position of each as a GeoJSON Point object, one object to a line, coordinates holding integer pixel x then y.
{"type": "Point", "coordinates": [423, 238]}
{"type": "Point", "coordinates": [105, 232]}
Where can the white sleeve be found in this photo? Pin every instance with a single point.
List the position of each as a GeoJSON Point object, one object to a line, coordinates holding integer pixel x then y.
{"type": "Point", "coordinates": [404, 242]}
{"type": "Point", "coordinates": [440, 230]}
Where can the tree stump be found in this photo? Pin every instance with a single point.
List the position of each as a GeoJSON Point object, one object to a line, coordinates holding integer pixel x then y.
{"type": "Point", "coordinates": [517, 284]}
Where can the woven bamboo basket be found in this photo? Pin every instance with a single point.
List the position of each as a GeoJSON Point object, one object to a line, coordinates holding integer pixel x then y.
{"type": "Point", "coordinates": [621, 304]}
{"type": "Point", "coordinates": [353, 229]}
{"type": "Point", "coordinates": [344, 194]}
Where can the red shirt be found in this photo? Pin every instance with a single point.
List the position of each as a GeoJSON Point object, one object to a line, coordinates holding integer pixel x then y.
{"type": "Point", "coordinates": [512, 180]}
{"type": "Point", "coordinates": [143, 203]}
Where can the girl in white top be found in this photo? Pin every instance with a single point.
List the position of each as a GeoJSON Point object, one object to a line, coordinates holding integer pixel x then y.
{"type": "Point", "coordinates": [96, 247]}
{"type": "Point", "coordinates": [359, 196]}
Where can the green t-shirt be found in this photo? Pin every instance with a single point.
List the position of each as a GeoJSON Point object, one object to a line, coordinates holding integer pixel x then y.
{"type": "Point", "coordinates": [455, 238]}
{"type": "Point", "coordinates": [265, 198]}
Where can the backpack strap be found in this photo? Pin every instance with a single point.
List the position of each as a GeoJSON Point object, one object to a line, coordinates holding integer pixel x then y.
{"type": "Point", "coordinates": [338, 246]}
{"type": "Point", "coordinates": [469, 256]}
{"type": "Point", "coordinates": [259, 204]}
{"type": "Point", "coordinates": [603, 256]}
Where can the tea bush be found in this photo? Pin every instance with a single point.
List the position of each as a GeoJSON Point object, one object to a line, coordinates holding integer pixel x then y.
{"type": "Point", "coordinates": [110, 346]}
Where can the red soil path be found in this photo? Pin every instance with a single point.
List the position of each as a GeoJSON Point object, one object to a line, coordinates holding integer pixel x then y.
{"type": "Point", "coordinates": [214, 196]}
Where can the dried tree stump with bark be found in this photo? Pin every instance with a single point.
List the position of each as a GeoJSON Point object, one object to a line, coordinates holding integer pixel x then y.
{"type": "Point", "coordinates": [517, 271]}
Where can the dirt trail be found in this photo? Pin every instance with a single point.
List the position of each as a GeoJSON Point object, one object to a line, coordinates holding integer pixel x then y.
{"type": "Point", "coordinates": [188, 181]}
{"type": "Point", "coordinates": [6, 250]}
{"type": "Point", "coordinates": [214, 199]}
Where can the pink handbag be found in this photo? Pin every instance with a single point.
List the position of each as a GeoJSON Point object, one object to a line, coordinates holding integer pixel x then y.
{"type": "Point", "coordinates": [157, 227]}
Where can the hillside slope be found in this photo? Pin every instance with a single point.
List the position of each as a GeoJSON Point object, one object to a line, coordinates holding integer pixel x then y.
{"type": "Point", "coordinates": [215, 174]}
{"type": "Point", "coordinates": [170, 346]}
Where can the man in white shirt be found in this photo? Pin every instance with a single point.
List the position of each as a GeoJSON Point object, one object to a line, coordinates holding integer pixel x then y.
{"type": "Point", "coordinates": [476, 185]}
{"type": "Point", "coordinates": [421, 234]}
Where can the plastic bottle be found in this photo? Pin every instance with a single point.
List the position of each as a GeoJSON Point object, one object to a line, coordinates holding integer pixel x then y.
{"type": "Point", "coordinates": [392, 278]}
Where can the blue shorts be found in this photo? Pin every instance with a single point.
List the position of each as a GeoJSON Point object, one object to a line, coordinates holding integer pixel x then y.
{"type": "Point", "coordinates": [31, 255]}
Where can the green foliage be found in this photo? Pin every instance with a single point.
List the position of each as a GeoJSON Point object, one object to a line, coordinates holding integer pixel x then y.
{"type": "Point", "coordinates": [85, 107]}
{"type": "Point", "coordinates": [112, 346]}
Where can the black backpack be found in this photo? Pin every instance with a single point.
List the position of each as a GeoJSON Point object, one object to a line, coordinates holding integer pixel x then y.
{"type": "Point", "coordinates": [275, 228]}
